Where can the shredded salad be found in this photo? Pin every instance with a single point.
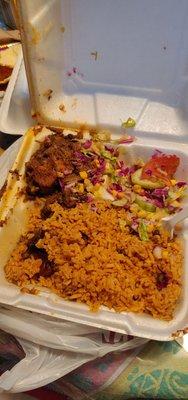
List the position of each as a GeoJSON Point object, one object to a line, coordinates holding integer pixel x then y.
{"type": "Point", "coordinates": [148, 189]}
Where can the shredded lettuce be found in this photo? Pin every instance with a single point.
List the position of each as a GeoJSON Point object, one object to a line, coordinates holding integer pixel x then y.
{"type": "Point", "coordinates": [130, 123]}
{"type": "Point", "coordinates": [145, 204]}
{"type": "Point", "coordinates": [175, 194]}
{"type": "Point", "coordinates": [120, 203]}
{"type": "Point", "coordinates": [108, 155]}
{"type": "Point", "coordinates": [122, 224]}
{"type": "Point", "coordinates": [142, 231]}
{"type": "Point", "coordinates": [102, 136]}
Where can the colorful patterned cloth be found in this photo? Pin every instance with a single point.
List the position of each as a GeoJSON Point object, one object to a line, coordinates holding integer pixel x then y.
{"type": "Point", "coordinates": [158, 371]}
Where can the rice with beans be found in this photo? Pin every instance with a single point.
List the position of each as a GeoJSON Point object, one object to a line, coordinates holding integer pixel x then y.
{"type": "Point", "coordinates": [82, 255]}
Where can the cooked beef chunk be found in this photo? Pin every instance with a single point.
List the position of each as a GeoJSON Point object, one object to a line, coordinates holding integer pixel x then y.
{"type": "Point", "coordinates": [31, 245]}
{"type": "Point", "coordinates": [70, 180]}
{"type": "Point", "coordinates": [51, 161]}
{"type": "Point", "coordinates": [41, 172]}
{"type": "Point", "coordinates": [47, 267]}
{"type": "Point", "coordinates": [38, 234]}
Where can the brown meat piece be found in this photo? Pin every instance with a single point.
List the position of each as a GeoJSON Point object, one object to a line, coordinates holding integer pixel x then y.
{"type": "Point", "coordinates": [51, 161]}
{"type": "Point", "coordinates": [70, 180]}
{"type": "Point", "coordinates": [42, 173]}
{"type": "Point", "coordinates": [47, 267]}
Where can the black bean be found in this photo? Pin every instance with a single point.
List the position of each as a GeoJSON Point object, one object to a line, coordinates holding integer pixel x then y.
{"type": "Point", "coordinates": [133, 231]}
{"type": "Point", "coordinates": [46, 269]}
{"type": "Point", "coordinates": [156, 232]}
{"type": "Point", "coordinates": [136, 297]}
{"type": "Point", "coordinates": [85, 236]}
{"type": "Point", "coordinates": [46, 212]}
{"type": "Point", "coordinates": [121, 250]}
{"type": "Point", "coordinates": [38, 234]}
{"type": "Point", "coordinates": [162, 280]}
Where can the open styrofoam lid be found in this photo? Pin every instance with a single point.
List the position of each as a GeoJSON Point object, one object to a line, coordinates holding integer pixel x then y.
{"type": "Point", "coordinates": [102, 61]}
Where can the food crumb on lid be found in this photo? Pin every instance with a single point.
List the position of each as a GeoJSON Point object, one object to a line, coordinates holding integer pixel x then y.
{"type": "Point", "coordinates": [62, 107]}
{"type": "Point", "coordinates": [48, 94]}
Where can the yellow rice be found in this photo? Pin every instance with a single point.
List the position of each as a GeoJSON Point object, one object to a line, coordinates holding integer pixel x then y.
{"type": "Point", "coordinates": [113, 267]}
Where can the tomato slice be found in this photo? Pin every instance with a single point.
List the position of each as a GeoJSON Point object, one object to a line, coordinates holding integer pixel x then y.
{"type": "Point", "coordinates": [160, 166]}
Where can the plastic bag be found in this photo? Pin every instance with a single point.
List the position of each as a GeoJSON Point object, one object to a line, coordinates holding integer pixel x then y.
{"type": "Point", "coordinates": [69, 346]}
{"type": "Point", "coordinates": [40, 366]}
{"type": "Point", "coordinates": [63, 335]}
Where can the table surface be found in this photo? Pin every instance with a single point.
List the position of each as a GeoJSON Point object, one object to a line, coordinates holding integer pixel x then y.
{"type": "Point", "coordinates": [6, 141]}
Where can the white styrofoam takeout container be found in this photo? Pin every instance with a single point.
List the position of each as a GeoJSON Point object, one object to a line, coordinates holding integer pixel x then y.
{"type": "Point", "coordinates": [130, 58]}
{"type": "Point", "coordinates": [15, 110]}
{"type": "Point", "coordinates": [105, 61]}
{"type": "Point", "coordinates": [15, 209]}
